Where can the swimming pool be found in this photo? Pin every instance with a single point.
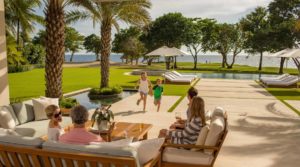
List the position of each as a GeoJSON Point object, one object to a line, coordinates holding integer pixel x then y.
{"type": "Point", "coordinates": [241, 76]}
{"type": "Point", "coordinates": [84, 100]}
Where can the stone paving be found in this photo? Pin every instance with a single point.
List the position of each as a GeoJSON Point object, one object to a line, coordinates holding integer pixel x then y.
{"type": "Point", "coordinates": [263, 132]}
{"type": "Point", "coordinates": [126, 110]}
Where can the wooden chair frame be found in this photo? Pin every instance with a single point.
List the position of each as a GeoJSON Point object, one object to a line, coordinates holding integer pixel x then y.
{"type": "Point", "coordinates": [41, 158]}
{"type": "Point", "coordinates": [215, 150]}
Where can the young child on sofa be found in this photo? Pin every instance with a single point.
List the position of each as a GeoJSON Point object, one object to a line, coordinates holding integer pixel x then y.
{"type": "Point", "coordinates": [54, 129]}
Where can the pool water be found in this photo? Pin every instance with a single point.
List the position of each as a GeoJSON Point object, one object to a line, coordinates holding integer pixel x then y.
{"type": "Point", "coordinates": [84, 100]}
{"type": "Point", "coordinates": [240, 76]}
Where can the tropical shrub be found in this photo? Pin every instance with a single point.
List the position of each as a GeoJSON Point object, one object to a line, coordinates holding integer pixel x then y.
{"type": "Point", "coordinates": [68, 102]}
{"type": "Point", "coordinates": [100, 92]}
{"type": "Point", "coordinates": [35, 54]}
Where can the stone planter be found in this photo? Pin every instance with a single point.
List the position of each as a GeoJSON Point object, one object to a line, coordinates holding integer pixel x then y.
{"type": "Point", "coordinates": [95, 97]}
{"type": "Point", "coordinates": [65, 111]}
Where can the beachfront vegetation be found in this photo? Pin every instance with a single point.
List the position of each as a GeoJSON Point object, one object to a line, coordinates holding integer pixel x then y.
{"type": "Point", "coordinates": [92, 44]}
{"type": "Point", "coordinates": [167, 30]}
{"type": "Point", "coordinates": [73, 41]}
{"type": "Point", "coordinates": [128, 43]}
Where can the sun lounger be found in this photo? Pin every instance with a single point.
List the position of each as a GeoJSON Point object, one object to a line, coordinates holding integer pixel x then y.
{"type": "Point", "coordinates": [277, 78]}
{"type": "Point", "coordinates": [183, 76]}
{"type": "Point", "coordinates": [174, 79]}
{"type": "Point", "coordinates": [286, 82]}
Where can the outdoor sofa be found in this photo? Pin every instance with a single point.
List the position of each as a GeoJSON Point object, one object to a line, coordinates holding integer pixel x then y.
{"type": "Point", "coordinates": [25, 148]}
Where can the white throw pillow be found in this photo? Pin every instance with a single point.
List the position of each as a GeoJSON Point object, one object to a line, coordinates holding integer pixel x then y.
{"type": "Point", "coordinates": [39, 106]}
{"type": "Point", "coordinates": [147, 149]}
{"type": "Point", "coordinates": [8, 132]}
{"type": "Point", "coordinates": [202, 137]}
{"type": "Point", "coordinates": [7, 121]}
{"type": "Point", "coordinates": [215, 130]}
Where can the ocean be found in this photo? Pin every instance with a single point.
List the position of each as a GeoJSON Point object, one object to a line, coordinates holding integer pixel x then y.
{"type": "Point", "coordinates": [241, 60]}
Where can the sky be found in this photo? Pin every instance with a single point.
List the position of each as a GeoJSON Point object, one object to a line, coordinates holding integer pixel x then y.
{"type": "Point", "coordinates": [229, 11]}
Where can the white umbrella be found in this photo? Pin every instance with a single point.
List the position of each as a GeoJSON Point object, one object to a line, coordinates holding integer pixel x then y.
{"type": "Point", "coordinates": [167, 52]}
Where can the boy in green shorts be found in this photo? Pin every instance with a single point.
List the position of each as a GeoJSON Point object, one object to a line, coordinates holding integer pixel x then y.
{"type": "Point", "coordinates": [157, 91]}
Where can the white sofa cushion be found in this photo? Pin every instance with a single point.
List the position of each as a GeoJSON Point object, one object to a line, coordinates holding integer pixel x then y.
{"type": "Point", "coordinates": [10, 109]}
{"type": "Point", "coordinates": [137, 150]}
{"type": "Point", "coordinates": [8, 132]}
{"type": "Point", "coordinates": [24, 111]}
{"type": "Point", "coordinates": [16, 140]}
{"type": "Point", "coordinates": [216, 128]}
{"type": "Point", "coordinates": [176, 155]}
{"type": "Point", "coordinates": [147, 149]}
{"type": "Point", "coordinates": [202, 137]}
{"type": "Point", "coordinates": [7, 121]}
{"type": "Point", "coordinates": [40, 105]}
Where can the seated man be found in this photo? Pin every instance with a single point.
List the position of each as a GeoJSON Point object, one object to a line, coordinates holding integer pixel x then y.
{"type": "Point", "coordinates": [180, 123]}
{"type": "Point", "coordinates": [79, 134]}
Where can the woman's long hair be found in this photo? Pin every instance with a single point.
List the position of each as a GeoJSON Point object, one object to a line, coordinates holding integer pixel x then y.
{"type": "Point", "coordinates": [198, 109]}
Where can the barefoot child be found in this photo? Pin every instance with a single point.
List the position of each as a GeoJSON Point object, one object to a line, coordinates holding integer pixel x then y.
{"type": "Point", "coordinates": [158, 91]}
{"type": "Point", "coordinates": [144, 87]}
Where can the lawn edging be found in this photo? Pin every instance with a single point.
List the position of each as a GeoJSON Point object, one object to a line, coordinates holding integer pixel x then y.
{"type": "Point", "coordinates": [291, 107]}
{"type": "Point", "coordinates": [171, 109]}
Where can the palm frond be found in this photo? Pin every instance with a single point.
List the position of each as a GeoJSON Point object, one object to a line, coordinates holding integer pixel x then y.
{"type": "Point", "coordinates": [76, 15]}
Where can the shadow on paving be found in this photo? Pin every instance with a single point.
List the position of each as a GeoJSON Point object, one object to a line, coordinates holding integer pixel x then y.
{"type": "Point", "coordinates": [129, 113]}
{"type": "Point", "coordinates": [282, 140]}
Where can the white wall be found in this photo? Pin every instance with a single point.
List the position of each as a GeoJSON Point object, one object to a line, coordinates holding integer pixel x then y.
{"type": "Point", "coordinates": [4, 91]}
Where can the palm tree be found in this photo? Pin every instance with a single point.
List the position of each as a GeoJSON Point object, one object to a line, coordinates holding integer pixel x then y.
{"type": "Point", "coordinates": [55, 37]}
{"type": "Point", "coordinates": [110, 13]}
{"type": "Point", "coordinates": [21, 18]}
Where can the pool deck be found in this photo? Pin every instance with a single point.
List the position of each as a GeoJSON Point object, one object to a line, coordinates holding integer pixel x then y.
{"type": "Point", "coordinates": [263, 132]}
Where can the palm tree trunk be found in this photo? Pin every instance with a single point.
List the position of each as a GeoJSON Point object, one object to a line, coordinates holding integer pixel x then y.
{"type": "Point", "coordinates": [105, 52]}
{"type": "Point", "coordinates": [18, 34]}
{"type": "Point", "coordinates": [55, 50]}
{"type": "Point", "coordinates": [260, 61]}
{"type": "Point", "coordinates": [71, 58]}
{"type": "Point", "coordinates": [282, 60]}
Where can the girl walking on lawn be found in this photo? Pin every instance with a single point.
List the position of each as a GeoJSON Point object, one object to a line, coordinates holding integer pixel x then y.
{"type": "Point", "coordinates": [144, 87]}
{"type": "Point", "coordinates": [158, 91]}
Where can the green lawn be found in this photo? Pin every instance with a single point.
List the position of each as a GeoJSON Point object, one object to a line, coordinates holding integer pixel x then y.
{"type": "Point", "coordinates": [30, 84]}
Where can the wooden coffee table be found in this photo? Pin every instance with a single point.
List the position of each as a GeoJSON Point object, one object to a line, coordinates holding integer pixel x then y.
{"type": "Point", "coordinates": [121, 130]}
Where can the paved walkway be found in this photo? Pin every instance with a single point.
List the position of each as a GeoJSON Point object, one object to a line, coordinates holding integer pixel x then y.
{"type": "Point", "coordinates": [263, 131]}
{"type": "Point", "coordinates": [126, 110]}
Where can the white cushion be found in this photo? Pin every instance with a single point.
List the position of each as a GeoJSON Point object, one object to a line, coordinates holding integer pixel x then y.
{"type": "Point", "coordinates": [147, 149]}
{"type": "Point", "coordinates": [10, 109]}
{"type": "Point", "coordinates": [202, 137]}
{"type": "Point", "coordinates": [216, 128]}
{"type": "Point", "coordinates": [24, 111]}
{"type": "Point", "coordinates": [8, 132]}
{"type": "Point", "coordinates": [142, 151]}
{"type": "Point", "coordinates": [176, 155]}
{"type": "Point", "coordinates": [7, 121]}
{"type": "Point", "coordinates": [40, 105]}
{"type": "Point", "coordinates": [218, 112]}
{"type": "Point", "coordinates": [16, 140]}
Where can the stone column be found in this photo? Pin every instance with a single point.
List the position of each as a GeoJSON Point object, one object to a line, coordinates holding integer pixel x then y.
{"type": "Point", "coordinates": [4, 91]}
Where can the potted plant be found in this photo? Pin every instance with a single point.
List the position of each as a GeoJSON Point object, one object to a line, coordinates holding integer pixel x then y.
{"type": "Point", "coordinates": [66, 104]}
{"type": "Point", "coordinates": [102, 118]}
